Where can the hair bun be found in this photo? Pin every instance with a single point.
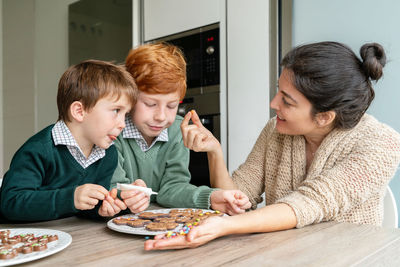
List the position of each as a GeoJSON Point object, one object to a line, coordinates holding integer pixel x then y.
{"type": "Point", "coordinates": [374, 59]}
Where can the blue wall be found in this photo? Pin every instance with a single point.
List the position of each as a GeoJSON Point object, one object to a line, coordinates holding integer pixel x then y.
{"type": "Point", "coordinates": [354, 23]}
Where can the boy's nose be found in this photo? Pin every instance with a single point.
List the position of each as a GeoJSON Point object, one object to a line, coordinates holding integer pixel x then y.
{"type": "Point", "coordinates": [121, 123]}
{"type": "Point", "coordinates": [160, 114]}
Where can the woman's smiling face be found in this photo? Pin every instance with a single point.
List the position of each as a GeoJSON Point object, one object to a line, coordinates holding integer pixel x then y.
{"type": "Point", "coordinates": [293, 109]}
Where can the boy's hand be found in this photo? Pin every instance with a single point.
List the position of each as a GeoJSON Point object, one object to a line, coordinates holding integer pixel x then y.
{"type": "Point", "coordinates": [111, 204]}
{"type": "Point", "coordinates": [87, 196]}
{"type": "Point", "coordinates": [195, 136]}
{"type": "Point", "coordinates": [231, 202]}
{"type": "Point", "coordinates": [136, 200]}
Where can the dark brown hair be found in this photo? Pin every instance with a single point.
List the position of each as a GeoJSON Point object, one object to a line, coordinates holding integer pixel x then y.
{"type": "Point", "coordinates": [158, 68]}
{"type": "Point", "coordinates": [91, 80]}
{"type": "Point", "coordinates": [333, 78]}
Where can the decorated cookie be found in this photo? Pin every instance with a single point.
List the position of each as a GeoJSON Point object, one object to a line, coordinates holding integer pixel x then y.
{"type": "Point", "coordinates": [151, 215]}
{"type": "Point", "coordinates": [161, 226]}
{"type": "Point", "coordinates": [138, 223]}
{"type": "Point", "coordinates": [39, 246]}
{"type": "Point", "coordinates": [122, 221]}
{"type": "Point", "coordinates": [6, 254]}
{"type": "Point", "coordinates": [11, 246]}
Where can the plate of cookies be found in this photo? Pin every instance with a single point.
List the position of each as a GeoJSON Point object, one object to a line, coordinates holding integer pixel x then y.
{"type": "Point", "coordinates": [160, 221]}
{"type": "Point", "coordinates": [21, 245]}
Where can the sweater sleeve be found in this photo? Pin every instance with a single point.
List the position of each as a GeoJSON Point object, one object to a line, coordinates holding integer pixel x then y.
{"type": "Point", "coordinates": [175, 189]}
{"type": "Point", "coordinates": [23, 198]}
{"type": "Point", "coordinates": [250, 176]}
{"type": "Point", "coordinates": [361, 174]}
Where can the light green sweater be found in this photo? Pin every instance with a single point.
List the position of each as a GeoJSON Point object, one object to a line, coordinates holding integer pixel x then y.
{"type": "Point", "coordinates": [164, 168]}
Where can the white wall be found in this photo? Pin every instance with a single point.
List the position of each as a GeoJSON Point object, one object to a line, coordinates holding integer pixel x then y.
{"type": "Point", "coordinates": [248, 75]}
{"type": "Point", "coordinates": [162, 18]}
{"type": "Point", "coordinates": [35, 55]}
{"type": "Point", "coordinates": [51, 57]}
{"type": "Point", "coordinates": [1, 91]}
{"type": "Point", "coordinates": [355, 23]}
{"type": "Point", "coordinates": [18, 74]}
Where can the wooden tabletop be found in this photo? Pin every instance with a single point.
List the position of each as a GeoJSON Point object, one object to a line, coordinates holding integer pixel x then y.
{"type": "Point", "coordinates": [324, 244]}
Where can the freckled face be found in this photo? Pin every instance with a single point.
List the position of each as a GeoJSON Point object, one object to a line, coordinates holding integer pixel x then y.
{"type": "Point", "coordinates": [293, 109]}
{"type": "Point", "coordinates": [153, 113]}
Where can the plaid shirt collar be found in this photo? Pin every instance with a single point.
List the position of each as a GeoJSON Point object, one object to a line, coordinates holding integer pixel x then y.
{"type": "Point", "coordinates": [131, 131]}
{"type": "Point", "coordinates": [62, 136]}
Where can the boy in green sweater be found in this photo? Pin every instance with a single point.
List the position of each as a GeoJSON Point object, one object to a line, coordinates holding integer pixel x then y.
{"type": "Point", "coordinates": [150, 149]}
{"type": "Point", "coordinates": [64, 169]}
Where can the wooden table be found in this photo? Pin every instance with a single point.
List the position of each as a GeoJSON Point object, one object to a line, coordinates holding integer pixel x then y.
{"type": "Point", "coordinates": [325, 244]}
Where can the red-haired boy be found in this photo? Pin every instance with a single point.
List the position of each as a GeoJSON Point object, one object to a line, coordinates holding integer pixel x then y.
{"type": "Point", "coordinates": [151, 150]}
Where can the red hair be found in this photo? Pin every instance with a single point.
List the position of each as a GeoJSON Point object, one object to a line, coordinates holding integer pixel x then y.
{"type": "Point", "coordinates": [158, 68]}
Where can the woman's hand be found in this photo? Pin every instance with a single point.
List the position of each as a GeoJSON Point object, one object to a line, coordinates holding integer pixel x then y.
{"type": "Point", "coordinates": [195, 136]}
{"type": "Point", "coordinates": [208, 230]}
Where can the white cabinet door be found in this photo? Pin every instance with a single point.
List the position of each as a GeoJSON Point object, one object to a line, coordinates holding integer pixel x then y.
{"type": "Point", "coordinates": [166, 17]}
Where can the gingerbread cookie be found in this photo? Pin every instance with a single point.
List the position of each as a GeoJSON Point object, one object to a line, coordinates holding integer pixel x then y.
{"type": "Point", "coordinates": [10, 246]}
{"type": "Point", "coordinates": [161, 226]}
{"type": "Point", "coordinates": [151, 215]}
{"type": "Point", "coordinates": [6, 254]}
{"type": "Point", "coordinates": [138, 223]}
{"type": "Point", "coordinates": [121, 220]}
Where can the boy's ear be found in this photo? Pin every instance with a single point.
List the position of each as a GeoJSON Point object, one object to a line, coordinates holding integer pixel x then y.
{"type": "Point", "coordinates": [77, 111]}
{"type": "Point", "coordinates": [325, 118]}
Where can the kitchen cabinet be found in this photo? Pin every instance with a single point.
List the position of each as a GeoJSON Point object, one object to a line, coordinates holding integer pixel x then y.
{"type": "Point", "coordinates": [162, 18]}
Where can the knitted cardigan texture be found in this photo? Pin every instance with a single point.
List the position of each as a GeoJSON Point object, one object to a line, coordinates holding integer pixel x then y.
{"type": "Point", "coordinates": [346, 181]}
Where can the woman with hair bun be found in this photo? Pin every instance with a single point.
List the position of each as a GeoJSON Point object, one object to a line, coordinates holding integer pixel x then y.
{"type": "Point", "coordinates": [321, 158]}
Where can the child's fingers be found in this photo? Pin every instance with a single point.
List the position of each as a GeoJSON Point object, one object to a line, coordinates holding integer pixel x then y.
{"type": "Point", "coordinates": [243, 204]}
{"type": "Point", "coordinates": [125, 194]}
{"type": "Point", "coordinates": [105, 209]}
{"type": "Point", "coordinates": [97, 191]}
{"type": "Point", "coordinates": [120, 204]}
{"type": "Point", "coordinates": [113, 193]}
{"type": "Point", "coordinates": [132, 199]}
{"type": "Point", "coordinates": [137, 205]}
{"type": "Point", "coordinates": [241, 201]}
{"type": "Point", "coordinates": [143, 207]}
{"type": "Point", "coordinates": [139, 182]}
{"type": "Point", "coordinates": [89, 201]}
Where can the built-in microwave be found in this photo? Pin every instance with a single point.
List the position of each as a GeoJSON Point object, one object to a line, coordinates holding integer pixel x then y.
{"type": "Point", "coordinates": [201, 47]}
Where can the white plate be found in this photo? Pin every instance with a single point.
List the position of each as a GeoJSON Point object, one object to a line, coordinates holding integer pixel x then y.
{"type": "Point", "coordinates": [142, 230]}
{"type": "Point", "coordinates": [64, 239]}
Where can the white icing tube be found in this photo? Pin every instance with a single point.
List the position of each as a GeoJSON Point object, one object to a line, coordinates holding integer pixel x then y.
{"type": "Point", "coordinates": [145, 190]}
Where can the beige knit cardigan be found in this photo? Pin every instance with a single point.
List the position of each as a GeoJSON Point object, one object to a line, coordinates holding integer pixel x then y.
{"type": "Point", "coordinates": [346, 181]}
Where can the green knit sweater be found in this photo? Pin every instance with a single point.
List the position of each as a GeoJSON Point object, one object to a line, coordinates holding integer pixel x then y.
{"type": "Point", "coordinates": [164, 168]}
{"type": "Point", "coordinates": [42, 178]}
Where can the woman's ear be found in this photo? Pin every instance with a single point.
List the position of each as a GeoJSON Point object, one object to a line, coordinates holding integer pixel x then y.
{"type": "Point", "coordinates": [325, 118]}
{"type": "Point", "coordinates": [77, 111]}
